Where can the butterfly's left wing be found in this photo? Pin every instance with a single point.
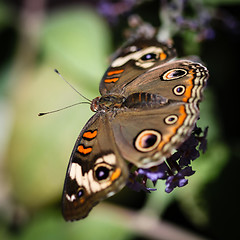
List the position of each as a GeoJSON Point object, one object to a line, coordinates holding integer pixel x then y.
{"type": "Point", "coordinates": [131, 61]}
{"type": "Point", "coordinates": [95, 171]}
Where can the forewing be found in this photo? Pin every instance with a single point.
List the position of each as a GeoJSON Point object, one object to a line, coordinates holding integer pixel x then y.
{"type": "Point", "coordinates": [181, 80]}
{"type": "Point", "coordinates": [131, 61]}
{"type": "Point", "coordinates": [95, 171]}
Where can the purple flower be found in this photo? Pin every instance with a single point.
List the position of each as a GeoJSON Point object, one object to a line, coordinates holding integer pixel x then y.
{"type": "Point", "coordinates": [112, 9]}
{"type": "Point", "coordinates": [178, 180]}
{"type": "Point", "coordinates": [175, 169]}
{"type": "Point", "coordinates": [155, 173]}
{"type": "Point", "coordinates": [203, 141]}
{"type": "Point", "coordinates": [189, 155]}
{"type": "Point", "coordinates": [134, 184]}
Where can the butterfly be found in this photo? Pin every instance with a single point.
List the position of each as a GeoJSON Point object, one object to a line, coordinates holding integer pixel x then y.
{"type": "Point", "coordinates": [148, 107]}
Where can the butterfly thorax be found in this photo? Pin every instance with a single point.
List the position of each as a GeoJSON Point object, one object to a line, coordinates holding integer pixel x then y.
{"type": "Point", "coordinates": [144, 100]}
{"type": "Point", "coordinates": [135, 100]}
{"type": "Point", "coordinates": [106, 103]}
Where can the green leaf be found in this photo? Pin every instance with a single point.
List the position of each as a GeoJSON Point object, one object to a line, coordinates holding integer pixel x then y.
{"type": "Point", "coordinates": [191, 46]}
{"type": "Point", "coordinates": [73, 41]}
{"type": "Point", "coordinates": [5, 15]}
{"type": "Point", "coordinates": [77, 41]}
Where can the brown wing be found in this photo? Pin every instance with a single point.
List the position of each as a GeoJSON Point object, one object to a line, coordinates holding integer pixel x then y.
{"type": "Point", "coordinates": [178, 80]}
{"type": "Point", "coordinates": [147, 136]}
{"type": "Point", "coordinates": [131, 61]}
{"type": "Point", "coordinates": [160, 112]}
{"type": "Point", "coordinates": [95, 171]}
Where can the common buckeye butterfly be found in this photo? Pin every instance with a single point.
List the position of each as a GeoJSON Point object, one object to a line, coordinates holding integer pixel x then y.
{"type": "Point", "coordinates": [148, 107]}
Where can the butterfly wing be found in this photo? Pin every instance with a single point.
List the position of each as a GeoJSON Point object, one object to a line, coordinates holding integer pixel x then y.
{"type": "Point", "coordinates": [158, 113]}
{"type": "Point", "coordinates": [146, 137]}
{"type": "Point", "coordinates": [180, 80]}
{"type": "Point", "coordinates": [95, 171]}
{"type": "Point", "coordinates": [131, 61]}
{"type": "Point", "coordinates": [161, 110]}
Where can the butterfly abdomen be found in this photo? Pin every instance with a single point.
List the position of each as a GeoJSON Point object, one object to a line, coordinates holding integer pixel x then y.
{"type": "Point", "coordinates": [144, 99]}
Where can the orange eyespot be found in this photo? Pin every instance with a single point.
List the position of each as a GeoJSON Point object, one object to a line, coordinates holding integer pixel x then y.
{"type": "Point", "coordinates": [147, 140]}
{"type": "Point", "coordinates": [102, 172]}
{"type": "Point", "coordinates": [174, 74]}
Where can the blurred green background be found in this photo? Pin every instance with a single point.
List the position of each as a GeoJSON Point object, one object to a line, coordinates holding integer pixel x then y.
{"type": "Point", "coordinates": [73, 36]}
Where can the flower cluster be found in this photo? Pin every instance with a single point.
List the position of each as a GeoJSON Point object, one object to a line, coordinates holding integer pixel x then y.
{"type": "Point", "coordinates": [113, 9]}
{"type": "Point", "coordinates": [175, 169]}
{"type": "Point", "coordinates": [190, 15]}
{"type": "Point", "coordinates": [175, 14]}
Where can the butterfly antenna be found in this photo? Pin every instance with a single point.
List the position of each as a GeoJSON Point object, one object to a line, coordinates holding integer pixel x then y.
{"type": "Point", "coordinates": [45, 113]}
{"type": "Point", "coordinates": [56, 71]}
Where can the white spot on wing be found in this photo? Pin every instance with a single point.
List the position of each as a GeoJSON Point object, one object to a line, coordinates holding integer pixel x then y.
{"type": "Point", "coordinates": [145, 65]}
{"type": "Point", "coordinates": [79, 176]}
{"type": "Point", "coordinates": [135, 56]}
{"type": "Point", "coordinates": [85, 182]}
{"type": "Point", "coordinates": [76, 173]}
{"type": "Point", "coordinates": [94, 185]}
{"type": "Point", "coordinates": [99, 160]}
{"type": "Point", "coordinates": [110, 159]}
{"type": "Point", "coordinates": [70, 199]}
{"type": "Point", "coordinates": [72, 172]}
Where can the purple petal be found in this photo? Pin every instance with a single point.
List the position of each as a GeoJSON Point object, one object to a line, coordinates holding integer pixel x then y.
{"type": "Point", "coordinates": [182, 182]}
{"type": "Point", "coordinates": [187, 171]}
{"type": "Point", "coordinates": [154, 173]}
{"type": "Point", "coordinates": [184, 161]}
{"type": "Point", "coordinates": [137, 186]}
{"type": "Point", "coordinates": [168, 189]}
{"type": "Point", "coordinates": [203, 141]}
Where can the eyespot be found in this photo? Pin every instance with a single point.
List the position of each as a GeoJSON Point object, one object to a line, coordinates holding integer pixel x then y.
{"type": "Point", "coordinates": [171, 119]}
{"type": "Point", "coordinates": [147, 140]}
{"type": "Point", "coordinates": [80, 193]}
{"type": "Point", "coordinates": [179, 90]}
{"type": "Point", "coordinates": [174, 74]}
{"type": "Point", "coordinates": [102, 172]}
{"type": "Point", "coordinates": [148, 57]}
